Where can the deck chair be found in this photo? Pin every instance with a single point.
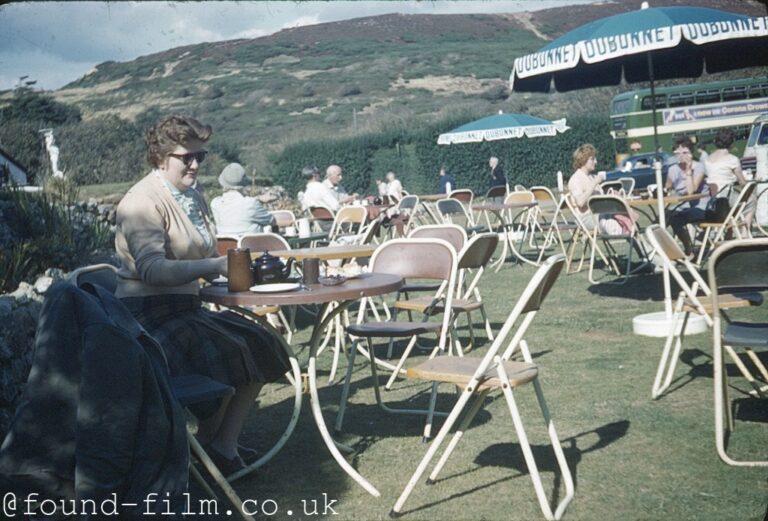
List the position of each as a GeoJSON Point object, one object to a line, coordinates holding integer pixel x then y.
{"type": "Point", "coordinates": [189, 390]}
{"type": "Point", "coordinates": [736, 265]}
{"type": "Point", "coordinates": [734, 223]}
{"type": "Point", "coordinates": [693, 298]}
{"type": "Point", "coordinates": [478, 376]}
{"type": "Point", "coordinates": [224, 243]}
{"type": "Point", "coordinates": [608, 207]}
{"type": "Point", "coordinates": [415, 259]}
{"type": "Point", "coordinates": [453, 211]}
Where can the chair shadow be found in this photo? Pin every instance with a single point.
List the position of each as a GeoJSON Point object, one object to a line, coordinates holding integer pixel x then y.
{"type": "Point", "coordinates": [637, 287]}
{"type": "Point", "coordinates": [510, 455]}
{"type": "Point", "coordinates": [750, 410]}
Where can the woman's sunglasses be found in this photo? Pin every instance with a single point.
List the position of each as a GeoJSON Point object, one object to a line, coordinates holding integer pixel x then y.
{"type": "Point", "coordinates": [191, 156]}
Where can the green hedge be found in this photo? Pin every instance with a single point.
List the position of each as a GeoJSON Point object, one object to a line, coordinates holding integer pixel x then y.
{"type": "Point", "coordinates": [416, 157]}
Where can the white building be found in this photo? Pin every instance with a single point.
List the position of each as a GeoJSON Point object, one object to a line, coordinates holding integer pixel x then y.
{"type": "Point", "coordinates": [18, 174]}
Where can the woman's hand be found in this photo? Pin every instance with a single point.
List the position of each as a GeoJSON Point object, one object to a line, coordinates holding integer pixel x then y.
{"type": "Point", "coordinates": [222, 266]}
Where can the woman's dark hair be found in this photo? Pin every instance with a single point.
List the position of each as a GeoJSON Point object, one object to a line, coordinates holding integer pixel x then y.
{"type": "Point", "coordinates": [724, 138]}
{"type": "Point", "coordinates": [168, 133]}
{"type": "Point", "coordinates": [683, 141]}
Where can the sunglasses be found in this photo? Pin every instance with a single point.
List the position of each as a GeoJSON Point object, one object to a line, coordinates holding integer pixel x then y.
{"type": "Point", "coordinates": [191, 156]}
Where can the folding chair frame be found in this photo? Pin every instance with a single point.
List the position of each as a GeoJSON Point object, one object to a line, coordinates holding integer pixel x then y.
{"type": "Point", "coordinates": [527, 306]}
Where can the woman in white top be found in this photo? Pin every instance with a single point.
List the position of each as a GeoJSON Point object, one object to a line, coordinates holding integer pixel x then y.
{"type": "Point", "coordinates": [723, 168]}
{"type": "Point", "coordinates": [583, 184]}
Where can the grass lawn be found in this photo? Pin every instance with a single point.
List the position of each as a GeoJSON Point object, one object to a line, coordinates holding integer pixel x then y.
{"type": "Point", "coordinates": [632, 458]}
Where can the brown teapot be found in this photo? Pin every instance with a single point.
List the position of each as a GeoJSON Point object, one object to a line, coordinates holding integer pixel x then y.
{"type": "Point", "coordinates": [269, 269]}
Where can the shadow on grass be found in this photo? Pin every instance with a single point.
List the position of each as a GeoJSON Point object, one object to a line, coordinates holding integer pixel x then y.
{"type": "Point", "coordinates": [510, 455]}
{"type": "Point", "coordinates": [637, 287]}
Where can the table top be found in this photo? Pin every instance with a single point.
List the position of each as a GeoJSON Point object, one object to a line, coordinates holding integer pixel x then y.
{"type": "Point", "coordinates": [325, 253]}
{"type": "Point", "coordinates": [432, 197]}
{"type": "Point", "coordinates": [366, 285]}
{"type": "Point", "coordinates": [494, 207]}
{"type": "Point", "coordinates": [296, 240]}
{"type": "Point", "coordinates": [670, 199]}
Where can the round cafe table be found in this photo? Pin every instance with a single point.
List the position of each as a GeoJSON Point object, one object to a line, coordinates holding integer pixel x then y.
{"type": "Point", "coordinates": [366, 285]}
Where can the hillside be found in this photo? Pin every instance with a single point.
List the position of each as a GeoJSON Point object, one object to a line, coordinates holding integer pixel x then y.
{"type": "Point", "coordinates": [346, 77]}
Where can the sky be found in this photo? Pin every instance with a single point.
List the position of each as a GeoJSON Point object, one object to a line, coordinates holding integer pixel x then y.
{"type": "Point", "coordinates": [54, 43]}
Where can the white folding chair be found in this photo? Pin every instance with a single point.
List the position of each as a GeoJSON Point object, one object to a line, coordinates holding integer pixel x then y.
{"type": "Point", "coordinates": [433, 259]}
{"type": "Point", "coordinates": [693, 298]}
{"type": "Point", "coordinates": [733, 266]}
{"type": "Point", "coordinates": [478, 376]}
{"type": "Point", "coordinates": [734, 223]}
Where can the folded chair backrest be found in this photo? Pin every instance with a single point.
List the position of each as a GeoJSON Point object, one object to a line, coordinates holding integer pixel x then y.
{"type": "Point", "coordinates": [739, 265]}
{"type": "Point", "coordinates": [666, 246]}
{"type": "Point", "coordinates": [541, 284]}
{"type": "Point", "coordinates": [283, 218]}
{"type": "Point", "coordinates": [409, 202]}
{"type": "Point", "coordinates": [521, 197]}
{"type": "Point", "coordinates": [416, 258]}
{"type": "Point", "coordinates": [545, 198]}
{"type": "Point", "coordinates": [321, 213]}
{"type": "Point", "coordinates": [612, 187]}
{"type": "Point", "coordinates": [263, 242]}
{"type": "Point", "coordinates": [103, 275]}
{"type": "Point", "coordinates": [496, 192]}
{"type": "Point", "coordinates": [610, 204]}
{"type": "Point", "coordinates": [224, 243]}
{"type": "Point", "coordinates": [741, 201]}
{"type": "Point", "coordinates": [453, 234]}
{"type": "Point", "coordinates": [464, 195]}
{"type": "Point", "coordinates": [478, 250]}
{"type": "Point", "coordinates": [628, 184]}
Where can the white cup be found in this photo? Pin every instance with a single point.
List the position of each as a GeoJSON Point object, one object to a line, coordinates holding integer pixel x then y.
{"type": "Point", "coordinates": [304, 230]}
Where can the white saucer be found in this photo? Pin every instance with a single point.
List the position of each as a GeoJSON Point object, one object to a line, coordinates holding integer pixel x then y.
{"type": "Point", "coordinates": [275, 288]}
{"type": "Point", "coordinates": [220, 281]}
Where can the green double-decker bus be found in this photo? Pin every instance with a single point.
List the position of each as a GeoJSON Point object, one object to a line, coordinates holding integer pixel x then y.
{"type": "Point", "coordinates": [698, 110]}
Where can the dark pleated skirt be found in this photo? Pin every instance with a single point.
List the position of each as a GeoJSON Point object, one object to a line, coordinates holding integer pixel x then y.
{"type": "Point", "coordinates": [221, 345]}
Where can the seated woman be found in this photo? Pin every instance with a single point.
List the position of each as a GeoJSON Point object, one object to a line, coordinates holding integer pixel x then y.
{"type": "Point", "coordinates": [686, 178]}
{"type": "Point", "coordinates": [583, 183]}
{"type": "Point", "coordinates": [165, 242]}
{"type": "Point", "coordinates": [723, 168]}
{"type": "Point", "coordinates": [234, 212]}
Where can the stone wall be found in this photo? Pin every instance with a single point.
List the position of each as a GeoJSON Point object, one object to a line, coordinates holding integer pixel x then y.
{"type": "Point", "coordinates": [19, 312]}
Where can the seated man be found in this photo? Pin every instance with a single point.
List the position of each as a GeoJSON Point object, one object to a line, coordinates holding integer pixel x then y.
{"type": "Point", "coordinates": [318, 194]}
{"type": "Point", "coordinates": [333, 183]}
{"type": "Point", "coordinates": [686, 178]}
{"type": "Point", "coordinates": [233, 211]}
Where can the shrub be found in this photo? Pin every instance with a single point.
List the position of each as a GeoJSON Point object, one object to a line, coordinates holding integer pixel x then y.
{"type": "Point", "coordinates": [349, 90]}
{"type": "Point", "coordinates": [47, 231]}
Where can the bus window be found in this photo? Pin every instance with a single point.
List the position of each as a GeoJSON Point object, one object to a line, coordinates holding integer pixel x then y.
{"type": "Point", "coordinates": [661, 102]}
{"type": "Point", "coordinates": [707, 96]}
{"type": "Point", "coordinates": [621, 106]}
{"type": "Point", "coordinates": [763, 137]}
{"type": "Point", "coordinates": [679, 100]}
{"type": "Point", "coordinates": [757, 91]}
{"type": "Point", "coordinates": [734, 93]}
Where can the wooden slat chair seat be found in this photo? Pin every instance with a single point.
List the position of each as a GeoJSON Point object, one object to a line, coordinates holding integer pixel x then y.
{"type": "Point", "coordinates": [421, 304]}
{"type": "Point", "coordinates": [460, 369]}
{"type": "Point", "coordinates": [727, 301]}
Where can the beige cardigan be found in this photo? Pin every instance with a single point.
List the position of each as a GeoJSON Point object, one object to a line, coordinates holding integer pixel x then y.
{"type": "Point", "coordinates": [160, 250]}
